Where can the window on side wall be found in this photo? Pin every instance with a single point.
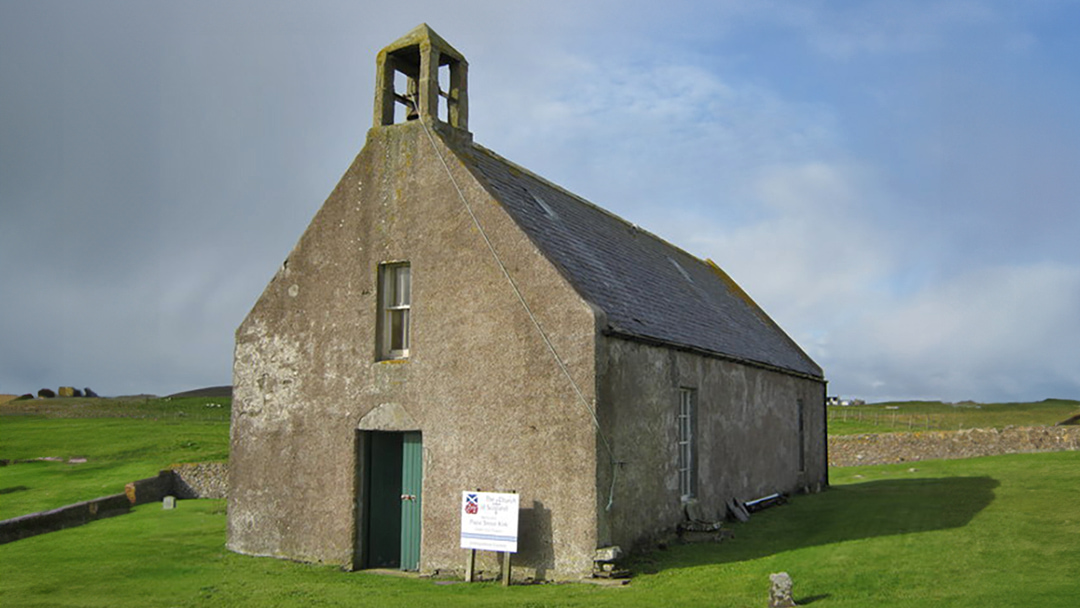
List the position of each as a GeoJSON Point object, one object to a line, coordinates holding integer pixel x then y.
{"type": "Point", "coordinates": [802, 434]}
{"type": "Point", "coordinates": [394, 301]}
{"type": "Point", "coordinates": [687, 443]}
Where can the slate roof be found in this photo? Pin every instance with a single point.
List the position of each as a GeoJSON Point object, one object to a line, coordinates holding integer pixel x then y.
{"type": "Point", "coordinates": [649, 289]}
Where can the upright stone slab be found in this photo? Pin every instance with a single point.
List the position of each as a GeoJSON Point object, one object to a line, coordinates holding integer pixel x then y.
{"type": "Point", "coordinates": [169, 502]}
{"type": "Point", "coordinates": [780, 593]}
{"type": "Point", "coordinates": [738, 510]}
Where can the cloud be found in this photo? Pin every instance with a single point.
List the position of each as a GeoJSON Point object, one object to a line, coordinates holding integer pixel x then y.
{"type": "Point", "coordinates": [816, 247]}
{"type": "Point", "coordinates": [839, 282]}
{"type": "Point", "coordinates": [993, 331]}
{"type": "Point", "coordinates": [631, 137]}
{"type": "Point", "coordinates": [844, 31]}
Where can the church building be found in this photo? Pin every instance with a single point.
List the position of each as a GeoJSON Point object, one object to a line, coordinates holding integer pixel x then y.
{"type": "Point", "coordinates": [451, 321]}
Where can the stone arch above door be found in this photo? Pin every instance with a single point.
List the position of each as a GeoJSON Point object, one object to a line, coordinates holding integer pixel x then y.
{"type": "Point", "coordinates": [388, 417]}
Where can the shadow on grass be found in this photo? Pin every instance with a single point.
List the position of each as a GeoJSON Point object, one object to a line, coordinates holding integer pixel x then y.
{"type": "Point", "coordinates": [843, 513]}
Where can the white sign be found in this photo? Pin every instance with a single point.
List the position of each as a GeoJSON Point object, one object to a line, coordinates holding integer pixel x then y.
{"type": "Point", "coordinates": [489, 521]}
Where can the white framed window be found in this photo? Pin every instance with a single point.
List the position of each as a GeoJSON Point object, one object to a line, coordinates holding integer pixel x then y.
{"type": "Point", "coordinates": [801, 427]}
{"type": "Point", "coordinates": [687, 443]}
{"type": "Point", "coordinates": [395, 297]}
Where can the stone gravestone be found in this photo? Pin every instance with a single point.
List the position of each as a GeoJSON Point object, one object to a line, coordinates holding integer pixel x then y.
{"type": "Point", "coordinates": [169, 502]}
{"type": "Point", "coordinates": [780, 593]}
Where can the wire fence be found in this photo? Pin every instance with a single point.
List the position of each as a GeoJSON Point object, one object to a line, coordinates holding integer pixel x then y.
{"type": "Point", "coordinates": [899, 421]}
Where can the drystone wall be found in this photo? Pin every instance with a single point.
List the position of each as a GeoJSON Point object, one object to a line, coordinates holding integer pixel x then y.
{"type": "Point", "coordinates": [68, 516]}
{"type": "Point", "coordinates": [194, 480]}
{"type": "Point", "coordinates": [889, 448]}
{"type": "Point", "coordinates": [201, 480]}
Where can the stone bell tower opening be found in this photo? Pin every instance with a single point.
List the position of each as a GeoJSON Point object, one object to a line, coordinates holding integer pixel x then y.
{"type": "Point", "coordinates": [421, 76]}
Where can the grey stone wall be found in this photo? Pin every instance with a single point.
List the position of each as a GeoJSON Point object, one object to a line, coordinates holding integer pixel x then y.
{"type": "Point", "coordinates": [201, 480]}
{"type": "Point", "coordinates": [891, 448]}
{"type": "Point", "coordinates": [67, 516]}
{"type": "Point", "coordinates": [151, 489]}
{"type": "Point", "coordinates": [479, 384]}
{"type": "Point", "coordinates": [747, 437]}
{"type": "Point", "coordinates": [195, 480]}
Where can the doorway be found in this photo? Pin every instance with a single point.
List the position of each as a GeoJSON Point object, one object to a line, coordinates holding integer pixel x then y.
{"type": "Point", "coordinates": [391, 466]}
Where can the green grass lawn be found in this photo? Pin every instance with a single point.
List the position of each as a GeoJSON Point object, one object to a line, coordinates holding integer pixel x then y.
{"type": "Point", "coordinates": [122, 442]}
{"type": "Point", "coordinates": [1000, 531]}
{"type": "Point", "coordinates": [904, 416]}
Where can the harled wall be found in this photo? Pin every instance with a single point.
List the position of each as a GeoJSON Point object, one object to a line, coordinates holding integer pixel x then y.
{"type": "Point", "coordinates": [747, 437]}
{"type": "Point", "coordinates": [480, 385]}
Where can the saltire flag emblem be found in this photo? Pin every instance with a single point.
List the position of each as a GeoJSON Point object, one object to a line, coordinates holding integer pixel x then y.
{"type": "Point", "coordinates": [472, 504]}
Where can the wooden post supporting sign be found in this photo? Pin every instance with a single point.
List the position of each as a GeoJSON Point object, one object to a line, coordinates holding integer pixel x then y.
{"type": "Point", "coordinates": [470, 566]}
{"type": "Point", "coordinates": [506, 569]}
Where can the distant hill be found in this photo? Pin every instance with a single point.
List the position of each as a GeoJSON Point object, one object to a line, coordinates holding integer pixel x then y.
{"type": "Point", "coordinates": [212, 391]}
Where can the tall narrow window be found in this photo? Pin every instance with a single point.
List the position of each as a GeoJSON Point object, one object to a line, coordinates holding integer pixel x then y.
{"type": "Point", "coordinates": [802, 434]}
{"type": "Point", "coordinates": [687, 445]}
{"type": "Point", "coordinates": [394, 301]}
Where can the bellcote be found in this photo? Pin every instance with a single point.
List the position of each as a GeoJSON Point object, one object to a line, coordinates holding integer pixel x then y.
{"type": "Point", "coordinates": [407, 79]}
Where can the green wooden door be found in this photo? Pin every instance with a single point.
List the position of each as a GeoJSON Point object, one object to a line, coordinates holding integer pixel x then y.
{"type": "Point", "coordinates": [383, 509]}
{"type": "Point", "coordinates": [394, 474]}
{"type": "Point", "coordinates": [412, 473]}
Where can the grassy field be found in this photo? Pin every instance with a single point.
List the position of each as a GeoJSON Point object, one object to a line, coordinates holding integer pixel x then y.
{"type": "Point", "coordinates": [121, 440]}
{"type": "Point", "coordinates": [1000, 531]}
{"type": "Point", "coordinates": [905, 416]}
{"type": "Point", "coordinates": [215, 409]}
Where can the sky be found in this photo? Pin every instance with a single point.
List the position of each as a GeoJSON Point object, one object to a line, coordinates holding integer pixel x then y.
{"type": "Point", "coordinates": [895, 182]}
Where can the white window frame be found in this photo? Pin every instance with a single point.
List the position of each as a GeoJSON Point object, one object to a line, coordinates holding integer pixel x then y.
{"type": "Point", "coordinates": [800, 406]}
{"type": "Point", "coordinates": [395, 306]}
{"type": "Point", "coordinates": [686, 444]}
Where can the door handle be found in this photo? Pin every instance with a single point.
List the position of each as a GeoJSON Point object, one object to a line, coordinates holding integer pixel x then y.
{"type": "Point", "coordinates": [408, 497]}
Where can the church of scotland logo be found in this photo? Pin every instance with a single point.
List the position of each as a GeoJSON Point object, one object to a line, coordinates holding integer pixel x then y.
{"type": "Point", "coordinates": [472, 504]}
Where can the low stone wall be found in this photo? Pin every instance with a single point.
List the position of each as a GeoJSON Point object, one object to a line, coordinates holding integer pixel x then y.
{"type": "Point", "coordinates": [65, 517]}
{"type": "Point", "coordinates": [151, 489]}
{"type": "Point", "coordinates": [196, 480]}
{"type": "Point", "coordinates": [201, 480]}
{"type": "Point", "coordinates": [890, 448]}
